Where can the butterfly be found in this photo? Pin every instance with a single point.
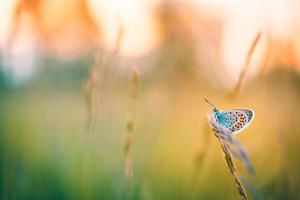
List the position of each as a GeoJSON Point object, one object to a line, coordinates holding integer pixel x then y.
{"type": "Point", "coordinates": [234, 120]}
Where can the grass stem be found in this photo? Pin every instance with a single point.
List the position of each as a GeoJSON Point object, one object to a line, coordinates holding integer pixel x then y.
{"type": "Point", "coordinates": [221, 134]}
{"type": "Point", "coordinates": [133, 87]}
{"type": "Point", "coordinates": [246, 64]}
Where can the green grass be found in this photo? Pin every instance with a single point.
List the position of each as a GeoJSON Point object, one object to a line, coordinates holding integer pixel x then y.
{"type": "Point", "coordinates": [45, 153]}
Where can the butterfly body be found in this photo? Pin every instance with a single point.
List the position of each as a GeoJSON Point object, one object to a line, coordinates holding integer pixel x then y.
{"type": "Point", "coordinates": [234, 120]}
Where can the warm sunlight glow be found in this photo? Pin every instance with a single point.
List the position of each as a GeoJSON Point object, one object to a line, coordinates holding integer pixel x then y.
{"type": "Point", "coordinates": [244, 19]}
{"type": "Point", "coordinates": [141, 34]}
{"type": "Point", "coordinates": [6, 12]}
{"type": "Point", "coordinates": [149, 99]}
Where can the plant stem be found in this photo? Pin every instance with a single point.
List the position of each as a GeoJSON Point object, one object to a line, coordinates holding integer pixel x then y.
{"type": "Point", "coordinates": [232, 169]}
{"type": "Point", "coordinates": [133, 86]}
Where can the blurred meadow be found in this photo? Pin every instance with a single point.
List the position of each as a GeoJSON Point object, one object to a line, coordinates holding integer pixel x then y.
{"type": "Point", "coordinates": [104, 99]}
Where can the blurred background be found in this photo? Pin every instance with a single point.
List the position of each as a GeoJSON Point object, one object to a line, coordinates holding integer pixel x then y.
{"type": "Point", "coordinates": [65, 97]}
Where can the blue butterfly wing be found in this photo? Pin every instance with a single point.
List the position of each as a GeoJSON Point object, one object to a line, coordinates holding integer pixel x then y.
{"type": "Point", "coordinates": [236, 119]}
{"type": "Point", "coordinates": [248, 112]}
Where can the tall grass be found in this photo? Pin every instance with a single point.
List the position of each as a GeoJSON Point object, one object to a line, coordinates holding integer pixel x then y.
{"type": "Point", "coordinates": [221, 134]}
{"type": "Point", "coordinates": [90, 93]}
{"type": "Point", "coordinates": [130, 124]}
{"type": "Point", "coordinates": [245, 68]}
{"type": "Point", "coordinates": [96, 77]}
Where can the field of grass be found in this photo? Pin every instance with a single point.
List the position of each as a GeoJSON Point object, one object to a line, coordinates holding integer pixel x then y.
{"type": "Point", "coordinates": [95, 123]}
{"type": "Point", "coordinates": [47, 153]}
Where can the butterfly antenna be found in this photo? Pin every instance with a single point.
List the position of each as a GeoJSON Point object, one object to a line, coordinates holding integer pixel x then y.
{"type": "Point", "coordinates": [209, 103]}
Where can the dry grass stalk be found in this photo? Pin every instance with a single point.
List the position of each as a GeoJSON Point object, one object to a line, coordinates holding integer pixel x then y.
{"type": "Point", "coordinates": [133, 89]}
{"type": "Point", "coordinates": [267, 57]}
{"type": "Point", "coordinates": [221, 134]}
{"type": "Point", "coordinates": [119, 40]}
{"type": "Point", "coordinates": [90, 93]}
{"type": "Point", "coordinates": [246, 64]}
{"type": "Point", "coordinates": [97, 75]}
{"type": "Point", "coordinates": [233, 170]}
